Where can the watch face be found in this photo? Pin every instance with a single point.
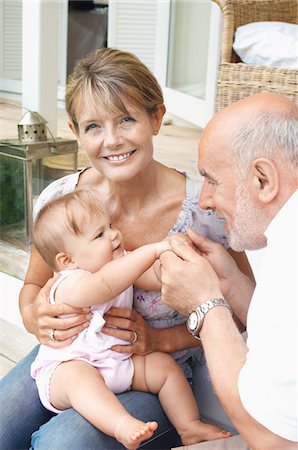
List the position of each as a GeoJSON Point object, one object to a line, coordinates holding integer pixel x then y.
{"type": "Point", "coordinates": [192, 321]}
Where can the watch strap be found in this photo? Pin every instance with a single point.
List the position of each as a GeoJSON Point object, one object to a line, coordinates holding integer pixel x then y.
{"type": "Point", "coordinates": [207, 306]}
{"type": "Point", "coordinates": [211, 303]}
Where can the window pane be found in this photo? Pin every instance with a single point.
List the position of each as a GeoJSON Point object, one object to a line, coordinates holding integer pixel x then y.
{"type": "Point", "coordinates": [188, 46]}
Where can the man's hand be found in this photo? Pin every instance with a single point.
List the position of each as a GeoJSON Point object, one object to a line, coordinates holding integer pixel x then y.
{"type": "Point", "coordinates": [219, 258]}
{"type": "Point", "coordinates": [187, 278]}
{"type": "Point", "coordinates": [183, 238]}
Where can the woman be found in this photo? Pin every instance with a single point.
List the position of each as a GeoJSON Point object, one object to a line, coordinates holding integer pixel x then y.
{"type": "Point", "coordinates": [115, 106]}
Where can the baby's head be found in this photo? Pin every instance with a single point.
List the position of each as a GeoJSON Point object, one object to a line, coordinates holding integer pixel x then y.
{"type": "Point", "coordinates": [74, 231]}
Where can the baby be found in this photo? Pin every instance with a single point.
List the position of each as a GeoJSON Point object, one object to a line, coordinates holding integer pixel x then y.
{"type": "Point", "coordinates": [75, 237]}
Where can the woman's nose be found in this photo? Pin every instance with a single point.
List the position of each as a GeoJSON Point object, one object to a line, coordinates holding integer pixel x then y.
{"type": "Point", "coordinates": [112, 138]}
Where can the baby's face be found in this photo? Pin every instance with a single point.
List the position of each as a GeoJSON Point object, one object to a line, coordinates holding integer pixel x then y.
{"type": "Point", "coordinates": [98, 244]}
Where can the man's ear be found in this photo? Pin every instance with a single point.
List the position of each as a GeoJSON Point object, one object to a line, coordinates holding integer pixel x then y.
{"type": "Point", "coordinates": [265, 179]}
{"type": "Point", "coordinates": [64, 261]}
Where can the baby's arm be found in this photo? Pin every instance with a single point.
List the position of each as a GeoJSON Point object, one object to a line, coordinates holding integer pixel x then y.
{"type": "Point", "coordinates": [150, 280]}
{"type": "Point", "coordinates": [89, 289]}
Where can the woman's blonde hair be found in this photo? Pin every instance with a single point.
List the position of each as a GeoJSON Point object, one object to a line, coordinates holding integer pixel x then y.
{"type": "Point", "coordinates": [109, 76]}
{"type": "Point", "coordinates": [59, 217]}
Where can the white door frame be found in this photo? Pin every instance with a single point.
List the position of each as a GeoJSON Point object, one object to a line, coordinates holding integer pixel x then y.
{"type": "Point", "coordinates": [189, 108]}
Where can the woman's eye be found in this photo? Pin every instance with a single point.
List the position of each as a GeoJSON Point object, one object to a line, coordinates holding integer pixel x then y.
{"type": "Point", "coordinates": [92, 126]}
{"type": "Point", "coordinates": [128, 119]}
{"type": "Point", "coordinates": [99, 235]}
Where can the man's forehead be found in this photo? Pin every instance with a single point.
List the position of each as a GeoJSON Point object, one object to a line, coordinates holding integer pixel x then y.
{"type": "Point", "coordinates": [207, 151]}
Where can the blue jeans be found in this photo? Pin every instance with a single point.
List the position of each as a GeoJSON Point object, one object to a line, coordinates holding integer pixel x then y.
{"type": "Point", "coordinates": [211, 410]}
{"type": "Point", "coordinates": [24, 422]}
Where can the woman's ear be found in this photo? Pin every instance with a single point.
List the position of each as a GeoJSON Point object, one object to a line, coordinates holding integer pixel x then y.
{"type": "Point", "coordinates": [73, 129]}
{"type": "Point", "coordinates": [265, 179]}
{"type": "Point", "coordinates": [64, 261]}
{"type": "Point", "coordinates": [157, 118]}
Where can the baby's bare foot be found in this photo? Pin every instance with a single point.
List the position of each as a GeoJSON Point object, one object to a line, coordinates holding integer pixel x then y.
{"type": "Point", "coordinates": [144, 432]}
{"type": "Point", "coordinates": [131, 432]}
{"type": "Point", "coordinates": [198, 431]}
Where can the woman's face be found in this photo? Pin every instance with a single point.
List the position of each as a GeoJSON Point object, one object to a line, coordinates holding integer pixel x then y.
{"type": "Point", "coordinates": [118, 145]}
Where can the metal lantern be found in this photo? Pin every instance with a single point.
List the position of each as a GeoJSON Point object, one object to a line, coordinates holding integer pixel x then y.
{"type": "Point", "coordinates": [32, 127]}
{"type": "Point", "coordinates": [27, 165]}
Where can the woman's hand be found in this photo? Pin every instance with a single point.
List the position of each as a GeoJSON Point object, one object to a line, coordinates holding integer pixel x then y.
{"type": "Point", "coordinates": [43, 320]}
{"type": "Point", "coordinates": [131, 327]}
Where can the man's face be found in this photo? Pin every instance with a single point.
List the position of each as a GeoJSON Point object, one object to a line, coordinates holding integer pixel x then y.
{"type": "Point", "coordinates": [245, 232]}
{"type": "Point", "coordinates": [229, 195]}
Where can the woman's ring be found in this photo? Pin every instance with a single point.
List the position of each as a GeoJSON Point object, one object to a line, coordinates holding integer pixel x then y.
{"type": "Point", "coordinates": [52, 335]}
{"type": "Point", "coordinates": [135, 337]}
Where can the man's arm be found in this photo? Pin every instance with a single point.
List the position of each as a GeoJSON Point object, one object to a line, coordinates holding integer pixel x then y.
{"type": "Point", "coordinates": [224, 347]}
{"type": "Point", "coordinates": [233, 270]}
{"type": "Point", "coordinates": [225, 351]}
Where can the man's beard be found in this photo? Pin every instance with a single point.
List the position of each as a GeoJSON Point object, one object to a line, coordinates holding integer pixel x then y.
{"type": "Point", "coordinates": [250, 222]}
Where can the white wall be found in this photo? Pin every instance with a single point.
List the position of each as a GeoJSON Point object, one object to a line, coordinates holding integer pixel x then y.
{"type": "Point", "coordinates": [9, 299]}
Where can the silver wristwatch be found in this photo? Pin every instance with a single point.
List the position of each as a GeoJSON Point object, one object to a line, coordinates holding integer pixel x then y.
{"type": "Point", "coordinates": [196, 317]}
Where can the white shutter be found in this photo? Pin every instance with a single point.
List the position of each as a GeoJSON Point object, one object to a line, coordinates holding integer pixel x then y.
{"type": "Point", "coordinates": [62, 51]}
{"type": "Point", "coordinates": [132, 27]}
{"type": "Point", "coordinates": [10, 44]}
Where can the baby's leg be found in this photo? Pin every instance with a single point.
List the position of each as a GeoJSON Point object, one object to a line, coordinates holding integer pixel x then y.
{"type": "Point", "coordinates": [79, 385]}
{"type": "Point", "coordinates": [158, 373]}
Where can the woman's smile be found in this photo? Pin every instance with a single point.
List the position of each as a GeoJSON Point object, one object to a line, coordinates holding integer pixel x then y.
{"type": "Point", "coordinates": [120, 157]}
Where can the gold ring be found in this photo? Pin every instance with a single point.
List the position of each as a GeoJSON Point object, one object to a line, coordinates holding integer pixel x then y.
{"type": "Point", "coordinates": [135, 337]}
{"type": "Point", "coordinates": [52, 335]}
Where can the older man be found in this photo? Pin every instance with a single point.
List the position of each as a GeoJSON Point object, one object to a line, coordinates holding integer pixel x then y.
{"type": "Point", "coordinates": [248, 157]}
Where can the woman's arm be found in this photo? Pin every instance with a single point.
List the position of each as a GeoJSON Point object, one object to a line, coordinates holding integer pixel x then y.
{"type": "Point", "coordinates": [37, 275]}
{"type": "Point", "coordinates": [150, 280]}
{"type": "Point", "coordinates": [149, 339]}
{"type": "Point", "coordinates": [39, 316]}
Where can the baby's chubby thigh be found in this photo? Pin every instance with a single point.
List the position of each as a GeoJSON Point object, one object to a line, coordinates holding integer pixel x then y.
{"type": "Point", "coordinates": [117, 373]}
{"type": "Point", "coordinates": [152, 371]}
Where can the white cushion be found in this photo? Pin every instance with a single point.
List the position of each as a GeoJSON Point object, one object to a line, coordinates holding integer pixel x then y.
{"type": "Point", "coordinates": [267, 44]}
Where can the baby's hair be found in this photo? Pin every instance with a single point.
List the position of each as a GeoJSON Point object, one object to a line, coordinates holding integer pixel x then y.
{"type": "Point", "coordinates": [58, 218]}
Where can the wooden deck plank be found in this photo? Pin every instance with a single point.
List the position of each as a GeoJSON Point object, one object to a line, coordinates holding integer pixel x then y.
{"type": "Point", "coordinates": [5, 365]}
{"type": "Point", "coordinates": [15, 343]}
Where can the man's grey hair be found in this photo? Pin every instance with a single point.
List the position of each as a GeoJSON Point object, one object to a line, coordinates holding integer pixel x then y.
{"type": "Point", "coordinates": [268, 135]}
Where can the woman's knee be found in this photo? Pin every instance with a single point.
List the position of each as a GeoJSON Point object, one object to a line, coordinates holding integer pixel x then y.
{"type": "Point", "coordinates": [81, 434]}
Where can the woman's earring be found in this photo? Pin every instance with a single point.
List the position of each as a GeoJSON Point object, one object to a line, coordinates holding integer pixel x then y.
{"type": "Point", "coordinates": [155, 133]}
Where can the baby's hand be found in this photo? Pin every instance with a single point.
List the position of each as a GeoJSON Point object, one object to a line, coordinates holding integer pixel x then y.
{"type": "Point", "coordinates": [162, 246]}
{"type": "Point", "coordinates": [165, 245]}
{"type": "Point", "coordinates": [182, 238]}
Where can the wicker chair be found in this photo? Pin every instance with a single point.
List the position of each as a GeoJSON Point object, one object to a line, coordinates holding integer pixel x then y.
{"type": "Point", "coordinates": [237, 80]}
